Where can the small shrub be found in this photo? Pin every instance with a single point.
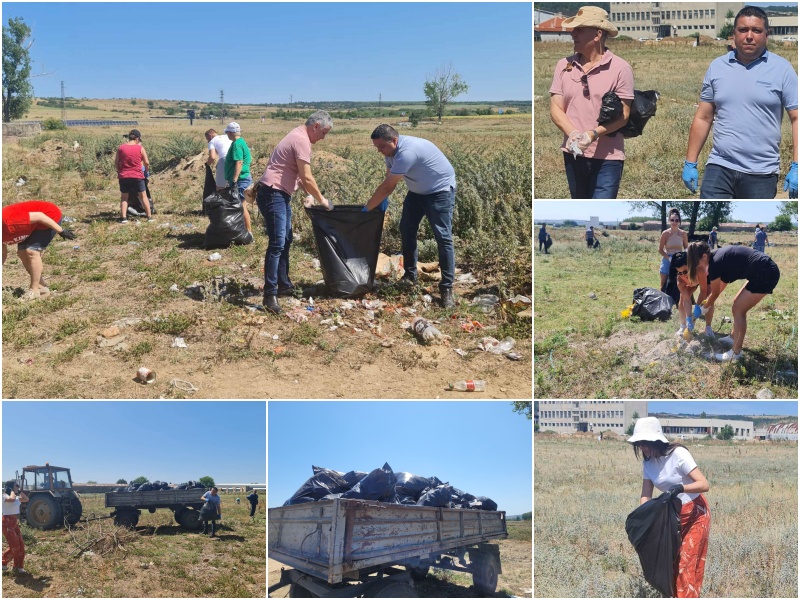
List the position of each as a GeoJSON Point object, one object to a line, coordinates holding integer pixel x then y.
{"type": "Point", "coordinates": [53, 124]}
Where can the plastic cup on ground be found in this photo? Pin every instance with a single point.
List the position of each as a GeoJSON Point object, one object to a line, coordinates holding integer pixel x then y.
{"type": "Point", "coordinates": [146, 376]}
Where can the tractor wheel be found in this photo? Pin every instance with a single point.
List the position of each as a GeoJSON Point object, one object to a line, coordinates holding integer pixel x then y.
{"type": "Point", "coordinates": [75, 511]}
{"type": "Point", "coordinates": [188, 518]}
{"type": "Point", "coordinates": [391, 589]}
{"type": "Point", "coordinates": [485, 569]}
{"type": "Point", "coordinates": [127, 518]}
{"type": "Point", "coordinates": [43, 512]}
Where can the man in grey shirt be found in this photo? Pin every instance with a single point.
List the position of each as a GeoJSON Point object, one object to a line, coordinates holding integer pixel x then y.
{"type": "Point", "coordinates": [431, 183]}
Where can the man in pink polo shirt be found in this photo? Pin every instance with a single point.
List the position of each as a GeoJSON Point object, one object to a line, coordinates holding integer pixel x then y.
{"type": "Point", "coordinates": [289, 168]}
{"type": "Point", "coordinates": [593, 154]}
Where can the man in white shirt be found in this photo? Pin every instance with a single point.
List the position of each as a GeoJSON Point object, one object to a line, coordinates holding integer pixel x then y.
{"type": "Point", "coordinates": [218, 146]}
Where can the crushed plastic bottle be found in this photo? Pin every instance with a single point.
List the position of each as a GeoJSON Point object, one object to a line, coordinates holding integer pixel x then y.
{"type": "Point", "coordinates": [215, 256]}
{"type": "Point", "coordinates": [426, 332]}
{"type": "Point", "coordinates": [477, 385]}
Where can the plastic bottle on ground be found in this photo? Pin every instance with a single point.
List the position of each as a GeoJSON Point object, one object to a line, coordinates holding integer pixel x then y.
{"type": "Point", "coordinates": [478, 385]}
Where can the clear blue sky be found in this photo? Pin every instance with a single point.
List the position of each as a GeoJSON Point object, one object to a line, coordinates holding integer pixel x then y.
{"type": "Point", "coordinates": [262, 52]}
{"type": "Point", "coordinates": [171, 441]}
{"type": "Point", "coordinates": [608, 210]}
{"type": "Point", "coordinates": [754, 407]}
{"type": "Point", "coordinates": [479, 447]}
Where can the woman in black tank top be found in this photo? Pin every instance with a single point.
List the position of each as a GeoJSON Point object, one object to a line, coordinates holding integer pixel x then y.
{"type": "Point", "coordinates": [726, 265]}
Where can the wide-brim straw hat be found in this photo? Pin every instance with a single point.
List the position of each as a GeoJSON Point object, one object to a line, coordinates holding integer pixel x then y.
{"type": "Point", "coordinates": [647, 429]}
{"type": "Point", "coordinates": [591, 16]}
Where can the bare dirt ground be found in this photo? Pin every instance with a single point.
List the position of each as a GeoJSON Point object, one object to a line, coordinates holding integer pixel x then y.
{"type": "Point", "coordinates": [114, 274]}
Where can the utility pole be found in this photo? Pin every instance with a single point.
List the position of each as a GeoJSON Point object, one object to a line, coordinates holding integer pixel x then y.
{"type": "Point", "coordinates": [380, 110]}
{"type": "Point", "coordinates": [222, 106]}
{"type": "Point", "coordinates": [290, 100]}
{"type": "Point", "coordinates": [63, 104]}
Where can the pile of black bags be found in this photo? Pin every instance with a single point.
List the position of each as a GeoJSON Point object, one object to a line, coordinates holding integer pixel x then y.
{"type": "Point", "coordinates": [385, 485]}
{"type": "Point", "coordinates": [158, 485]}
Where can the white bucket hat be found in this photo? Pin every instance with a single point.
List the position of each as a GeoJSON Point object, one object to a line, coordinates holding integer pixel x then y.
{"type": "Point", "coordinates": [647, 429]}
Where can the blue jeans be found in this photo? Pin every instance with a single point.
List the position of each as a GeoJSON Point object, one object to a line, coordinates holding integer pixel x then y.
{"type": "Point", "coordinates": [276, 208]}
{"type": "Point", "coordinates": [592, 177]}
{"type": "Point", "coordinates": [438, 208]}
{"type": "Point", "coordinates": [722, 182]}
{"type": "Point", "coordinates": [242, 185]}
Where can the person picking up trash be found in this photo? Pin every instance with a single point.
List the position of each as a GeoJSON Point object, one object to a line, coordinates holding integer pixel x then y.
{"type": "Point", "coordinates": [670, 468]}
{"type": "Point", "coordinates": [237, 168]}
{"type": "Point", "coordinates": [744, 94]}
{"type": "Point", "coordinates": [431, 182]}
{"type": "Point", "coordinates": [32, 226]}
{"type": "Point", "coordinates": [726, 265]}
{"type": "Point", "coordinates": [131, 163]}
{"type": "Point", "coordinates": [289, 168]}
{"type": "Point", "coordinates": [686, 290]}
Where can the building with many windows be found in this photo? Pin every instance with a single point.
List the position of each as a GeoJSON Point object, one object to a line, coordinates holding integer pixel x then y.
{"type": "Point", "coordinates": [588, 415]}
{"type": "Point", "coordinates": [681, 429]}
{"type": "Point", "coordinates": [666, 19]}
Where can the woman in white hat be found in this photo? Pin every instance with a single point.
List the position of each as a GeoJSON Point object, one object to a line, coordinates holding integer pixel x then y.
{"type": "Point", "coordinates": [670, 468]}
{"type": "Point", "coordinates": [593, 158]}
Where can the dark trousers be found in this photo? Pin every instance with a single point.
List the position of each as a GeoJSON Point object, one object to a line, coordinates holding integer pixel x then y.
{"type": "Point", "coordinates": [438, 208]}
{"type": "Point", "coordinates": [592, 177]}
{"type": "Point", "coordinates": [213, 526]}
{"type": "Point", "coordinates": [253, 509]}
{"type": "Point", "coordinates": [722, 182]}
{"type": "Point", "coordinates": [276, 208]}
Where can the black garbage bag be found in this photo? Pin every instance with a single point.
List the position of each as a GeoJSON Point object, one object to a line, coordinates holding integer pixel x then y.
{"type": "Point", "coordinates": [353, 477]}
{"type": "Point", "coordinates": [654, 529]}
{"type": "Point", "coordinates": [642, 108]}
{"type": "Point", "coordinates": [378, 485]}
{"type": "Point", "coordinates": [322, 483]}
{"type": "Point", "coordinates": [409, 487]}
{"type": "Point", "coordinates": [483, 503]}
{"type": "Point", "coordinates": [611, 109]}
{"type": "Point", "coordinates": [461, 499]}
{"type": "Point", "coordinates": [209, 512]}
{"type": "Point", "coordinates": [348, 241]}
{"type": "Point", "coordinates": [650, 304]}
{"type": "Point", "coordinates": [209, 187]}
{"type": "Point", "coordinates": [146, 487]}
{"type": "Point", "coordinates": [227, 221]}
{"type": "Point", "coordinates": [438, 496]}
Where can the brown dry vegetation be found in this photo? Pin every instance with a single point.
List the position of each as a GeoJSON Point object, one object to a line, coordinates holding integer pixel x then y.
{"type": "Point", "coordinates": [515, 581]}
{"type": "Point", "coordinates": [158, 559]}
{"type": "Point", "coordinates": [126, 271]}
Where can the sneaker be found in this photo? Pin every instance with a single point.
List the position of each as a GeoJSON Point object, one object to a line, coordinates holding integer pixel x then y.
{"type": "Point", "coordinates": [727, 341]}
{"type": "Point", "coordinates": [30, 295]}
{"type": "Point", "coordinates": [22, 571]}
{"type": "Point", "coordinates": [123, 221]}
{"type": "Point", "coordinates": [679, 333]}
{"type": "Point", "coordinates": [728, 356]}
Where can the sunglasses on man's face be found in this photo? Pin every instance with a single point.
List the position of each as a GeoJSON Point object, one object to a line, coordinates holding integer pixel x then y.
{"type": "Point", "coordinates": [674, 220]}
{"type": "Point", "coordinates": [683, 272]}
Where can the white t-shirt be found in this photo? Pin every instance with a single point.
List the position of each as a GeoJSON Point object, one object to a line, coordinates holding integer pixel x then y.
{"type": "Point", "coordinates": [10, 508]}
{"type": "Point", "coordinates": [671, 470]}
{"type": "Point", "coordinates": [220, 143]}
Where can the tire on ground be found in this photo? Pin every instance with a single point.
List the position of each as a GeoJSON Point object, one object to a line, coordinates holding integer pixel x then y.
{"type": "Point", "coordinates": [391, 589]}
{"type": "Point", "coordinates": [189, 518]}
{"type": "Point", "coordinates": [419, 573]}
{"type": "Point", "coordinates": [485, 569]}
{"type": "Point", "coordinates": [43, 512]}
{"type": "Point", "coordinates": [75, 511]}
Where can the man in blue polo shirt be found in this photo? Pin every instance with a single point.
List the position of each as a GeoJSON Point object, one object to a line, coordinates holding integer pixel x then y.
{"type": "Point", "coordinates": [431, 183]}
{"type": "Point", "coordinates": [744, 94]}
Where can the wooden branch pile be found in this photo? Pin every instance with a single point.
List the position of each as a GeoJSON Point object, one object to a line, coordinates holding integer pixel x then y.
{"type": "Point", "coordinates": [101, 541]}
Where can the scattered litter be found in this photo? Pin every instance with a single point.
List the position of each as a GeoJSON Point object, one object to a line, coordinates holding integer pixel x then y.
{"type": "Point", "coordinates": [593, 296]}
{"type": "Point", "coordinates": [76, 247]}
{"type": "Point", "coordinates": [460, 352]}
{"type": "Point", "coordinates": [182, 385]}
{"type": "Point", "coordinates": [493, 346]}
{"type": "Point", "coordinates": [134, 243]}
{"type": "Point", "coordinates": [315, 264]}
{"type": "Point", "coordinates": [469, 385]}
{"type": "Point", "coordinates": [297, 314]}
{"type": "Point", "coordinates": [68, 219]}
{"type": "Point", "coordinates": [311, 302]}
{"type": "Point", "coordinates": [347, 306]}
{"type": "Point", "coordinates": [174, 287]}
{"type": "Point", "coordinates": [389, 267]}
{"type": "Point", "coordinates": [487, 302]}
{"type": "Point", "coordinates": [215, 256]}
{"type": "Point", "coordinates": [21, 181]}
{"type": "Point", "coordinates": [369, 315]}
{"type": "Point", "coordinates": [467, 278]}
{"type": "Point", "coordinates": [427, 298]}
{"type": "Point", "coordinates": [470, 326]}
{"type": "Point", "coordinates": [519, 302]}
{"type": "Point", "coordinates": [179, 342]}
{"type": "Point", "coordinates": [145, 375]}
{"type": "Point", "coordinates": [513, 356]}
{"type": "Point", "coordinates": [426, 332]}
{"type": "Point", "coordinates": [373, 304]}
{"type": "Point", "coordinates": [764, 394]}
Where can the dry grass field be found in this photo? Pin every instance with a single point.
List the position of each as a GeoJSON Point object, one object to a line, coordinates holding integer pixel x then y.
{"type": "Point", "coordinates": [158, 559]}
{"type": "Point", "coordinates": [654, 160]}
{"type": "Point", "coordinates": [515, 580]}
{"type": "Point", "coordinates": [114, 272]}
{"type": "Point", "coordinates": [584, 490]}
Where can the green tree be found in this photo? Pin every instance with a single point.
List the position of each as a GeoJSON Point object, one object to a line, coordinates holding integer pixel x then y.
{"type": "Point", "coordinates": [17, 88]}
{"type": "Point", "coordinates": [782, 223]}
{"type": "Point", "coordinates": [725, 433]}
{"type": "Point", "coordinates": [90, 482]}
{"type": "Point", "coordinates": [441, 87]}
{"type": "Point", "coordinates": [414, 117]}
{"type": "Point", "coordinates": [133, 101]}
{"type": "Point", "coordinates": [122, 481]}
{"type": "Point", "coordinates": [151, 104]}
{"type": "Point", "coordinates": [703, 415]}
{"type": "Point", "coordinates": [141, 479]}
{"type": "Point", "coordinates": [523, 407]}
{"type": "Point", "coordinates": [629, 430]}
{"type": "Point", "coordinates": [727, 29]}
{"type": "Point", "coordinates": [207, 481]}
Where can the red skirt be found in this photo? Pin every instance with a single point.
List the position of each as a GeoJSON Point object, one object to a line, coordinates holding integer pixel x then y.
{"type": "Point", "coordinates": [695, 527]}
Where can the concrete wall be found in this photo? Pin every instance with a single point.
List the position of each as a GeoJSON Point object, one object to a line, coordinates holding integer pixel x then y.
{"type": "Point", "coordinates": [21, 129]}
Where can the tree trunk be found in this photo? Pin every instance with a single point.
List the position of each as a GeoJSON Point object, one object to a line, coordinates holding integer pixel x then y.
{"type": "Point", "coordinates": [693, 220]}
{"type": "Point", "coordinates": [663, 216]}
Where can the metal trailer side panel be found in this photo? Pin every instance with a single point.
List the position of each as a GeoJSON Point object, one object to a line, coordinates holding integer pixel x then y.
{"type": "Point", "coordinates": [155, 498]}
{"type": "Point", "coordinates": [359, 534]}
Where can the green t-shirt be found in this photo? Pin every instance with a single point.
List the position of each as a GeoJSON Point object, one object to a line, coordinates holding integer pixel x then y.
{"type": "Point", "coordinates": [237, 151]}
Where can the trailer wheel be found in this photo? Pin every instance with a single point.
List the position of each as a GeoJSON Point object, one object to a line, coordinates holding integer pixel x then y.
{"type": "Point", "coordinates": [391, 589]}
{"type": "Point", "coordinates": [43, 512]}
{"type": "Point", "coordinates": [485, 569]}
{"type": "Point", "coordinates": [188, 518]}
{"type": "Point", "coordinates": [126, 519]}
{"type": "Point", "coordinates": [75, 511]}
{"type": "Point", "coordinates": [419, 573]}
{"type": "Point", "coordinates": [298, 591]}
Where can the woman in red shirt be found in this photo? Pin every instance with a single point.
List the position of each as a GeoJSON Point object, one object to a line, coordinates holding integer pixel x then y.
{"type": "Point", "coordinates": [128, 163]}
{"type": "Point", "coordinates": [32, 226]}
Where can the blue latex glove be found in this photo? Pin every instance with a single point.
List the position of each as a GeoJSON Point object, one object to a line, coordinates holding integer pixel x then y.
{"type": "Point", "coordinates": [690, 175]}
{"type": "Point", "coordinates": [385, 204]}
{"type": "Point", "coordinates": [382, 206]}
{"type": "Point", "coordinates": [696, 312]}
{"type": "Point", "coordinates": [364, 209]}
{"type": "Point", "coordinates": [790, 183]}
